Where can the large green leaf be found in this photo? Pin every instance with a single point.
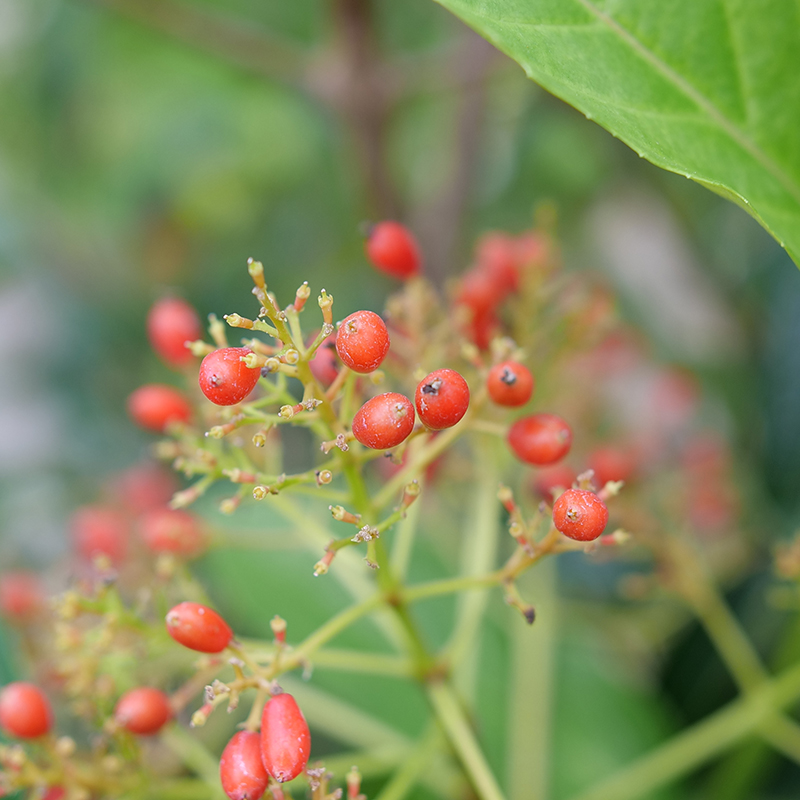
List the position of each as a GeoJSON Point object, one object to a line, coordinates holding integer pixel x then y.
{"type": "Point", "coordinates": [709, 89]}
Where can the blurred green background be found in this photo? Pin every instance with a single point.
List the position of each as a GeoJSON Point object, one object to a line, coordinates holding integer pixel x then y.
{"type": "Point", "coordinates": [147, 146]}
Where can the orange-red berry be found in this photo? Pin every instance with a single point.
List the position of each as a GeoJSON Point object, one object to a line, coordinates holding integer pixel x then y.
{"type": "Point", "coordinates": [165, 530]}
{"type": "Point", "coordinates": [510, 384]}
{"type": "Point", "coordinates": [384, 421]}
{"type": "Point", "coordinates": [241, 769]}
{"type": "Point", "coordinates": [579, 514]}
{"type": "Point", "coordinates": [285, 738]}
{"type": "Point", "coordinates": [392, 248]}
{"type": "Point", "coordinates": [170, 324]}
{"type": "Point", "coordinates": [198, 627]}
{"type": "Point", "coordinates": [442, 399]}
{"type": "Point", "coordinates": [156, 405]}
{"type": "Point", "coordinates": [100, 531]}
{"type": "Point", "coordinates": [21, 595]}
{"type": "Point", "coordinates": [143, 710]}
{"type": "Point", "coordinates": [362, 341]}
{"type": "Point", "coordinates": [540, 439]}
{"type": "Point", "coordinates": [25, 711]}
{"type": "Point", "coordinates": [225, 379]}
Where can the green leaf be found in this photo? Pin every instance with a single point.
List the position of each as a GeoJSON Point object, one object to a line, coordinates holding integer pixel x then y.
{"type": "Point", "coordinates": [709, 89]}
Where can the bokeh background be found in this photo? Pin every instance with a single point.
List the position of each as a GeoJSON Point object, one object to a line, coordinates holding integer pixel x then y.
{"type": "Point", "coordinates": [149, 146]}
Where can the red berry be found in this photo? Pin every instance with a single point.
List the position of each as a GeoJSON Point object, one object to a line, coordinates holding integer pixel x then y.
{"type": "Point", "coordinates": [21, 595]}
{"type": "Point", "coordinates": [442, 399]}
{"type": "Point", "coordinates": [540, 439]}
{"type": "Point", "coordinates": [143, 710]}
{"type": "Point", "coordinates": [165, 530]}
{"type": "Point", "coordinates": [198, 627]}
{"type": "Point", "coordinates": [510, 384]}
{"type": "Point", "coordinates": [324, 365]}
{"type": "Point", "coordinates": [285, 739]}
{"type": "Point", "coordinates": [384, 421]}
{"type": "Point", "coordinates": [224, 377]}
{"type": "Point", "coordinates": [362, 341]}
{"type": "Point", "coordinates": [611, 464]}
{"type": "Point", "coordinates": [480, 292]}
{"type": "Point", "coordinates": [393, 249]}
{"type": "Point", "coordinates": [155, 405]}
{"type": "Point", "coordinates": [143, 487]}
{"type": "Point", "coordinates": [550, 478]}
{"type": "Point", "coordinates": [55, 793]}
{"type": "Point", "coordinates": [170, 324]}
{"type": "Point", "coordinates": [25, 711]}
{"type": "Point", "coordinates": [579, 514]}
{"type": "Point", "coordinates": [100, 531]}
{"type": "Point", "coordinates": [241, 769]}
{"type": "Point", "coordinates": [497, 255]}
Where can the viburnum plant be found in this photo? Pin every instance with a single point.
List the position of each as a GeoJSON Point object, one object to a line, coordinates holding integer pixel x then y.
{"type": "Point", "coordinates": [434, 390]}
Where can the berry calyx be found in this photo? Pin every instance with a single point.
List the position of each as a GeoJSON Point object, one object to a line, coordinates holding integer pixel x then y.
{"type": "Point", "coordinates": [165, 530]}
{"type": "Point", "coordinates": [442, 399]}
{"type": "Point", "coordinates": [100, 531]}
{"type": "Point", "coordinates": [392, 248]}
{"type": "Point", "coordinates": [143, 711]}
{"type": "Point", "coordinates": [25, 711]}
{"type": "Point", "coordinates": [198, 627]}
{"type": "Point", "coordinates": [285, 738]}
{"type": "Point", "coordinates": [384, 421]}
{"type": "Point", "coordinates": [540, 439]}
{"type": "Point", "coordinates": [171, 323]}
{"type": "Point", "coordinates": [224, 378]}
{"type": "Point", "coordinates": [580, 514]}
{"type": "Point", "coordinates": [510, 384]}
{"type": "Point", "coordinates": [156, 405]}
{"type": "Point", "coordinates": [241, 769]}
{"type": "Point", "coordinates": [362, 341]}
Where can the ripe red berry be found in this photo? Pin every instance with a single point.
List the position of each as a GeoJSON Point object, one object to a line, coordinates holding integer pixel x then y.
{"type": "Point", "coordinates": [155, 405]}
{"type": "Point", "coordinates": [550, 478]}
{"type": "Point", "coordinates": [496, 253]}
{"type": "Point", "coordinates": [100, 531]}
{"type": "Point", "coordinates": [55, 793]}
{"type": "Point", "coordinates": [362, 341]}
{"type": "Point", "coordinates": [21, 595]}
{"type": "Point", "coordinates": [170, 324]}
{"type": "Point", "coordinates": [384, 421]}
{"type": "Point", "coordinates": [579, 514]}
{"type": "Point", "coordinates": [442, 399]}
{"type": "Point", "coordinates": [540, 439]}
{"type": "Point", "coordinates": [198, 627]}
{"type": "Point", "coordinates": [224, 377]}
{"type": "Point", "coordinates": [143, 710]}
{"type": "Point", "coordinates": [611, 464]}
{"type": "Point", "coordinates": [510, 384]}
{"type": "Point", "coordinates": [285, 739]}
{"type": "Point", "coordinates": [241, 769]}
{"type": "Point", "coordinates": [165, 530]}
{"type": "Point", "coordinates": [25, 711]}
{"type": "Point", "coordinates": [393, 249]}
{"type": "Point", "coordinates": [143, 487]}
{"type": "Point", "coordinates": [324, 364]}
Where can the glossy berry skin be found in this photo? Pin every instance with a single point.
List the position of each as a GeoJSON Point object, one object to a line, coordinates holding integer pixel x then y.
{"type": "Point", "coordinates": [198, 627]}
{"type": "Point", "coordinates": [25, 711]}
{"type": "Point", "coordinates": [171, 323]}
{"type": "Point", "coordinates": [241, 769]}
{"type": "Point", "coordinates": [510, 384]}
{"type": "Point", "coordinates": [156, 405]}
{"type": "Point", "coordinates": [21, 595]}
{"type": "Point", "coordinates": [143, 711]}
{"type": "Point", "coordinates": [442, 399]}
{"type": "Point", "coordinates": [165, 530]}
{"type": "Point", "coordinates": [285, 738]}
{"type": "Point", "coordinates": [392, 248]}
{"type": "Point", "coordinates": [384, 421]}
{"type": "Point", "coordinates": [100, 531]}
{"type": "Point", "coordinates": [362, 341]}
{"type": "Point", "coordinates": [579, 514]}
{"type": "Point", "coordinates": [540, 439]}
{"type": "Point", "coordinates": [225, 379]}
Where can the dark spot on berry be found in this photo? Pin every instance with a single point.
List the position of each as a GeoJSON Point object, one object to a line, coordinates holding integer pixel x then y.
{"type": "Point", "coordinates": [432, 387]}
{"type": "Point", "coordinates": [508, 377]}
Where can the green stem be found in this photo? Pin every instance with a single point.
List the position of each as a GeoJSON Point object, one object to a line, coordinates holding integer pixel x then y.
{"type": "Point", "coordinates": [700, 743]}
{"type": "Point", "coordinates": [422, 591]}
{"type": "Point", "coordinates": [460, 735]}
